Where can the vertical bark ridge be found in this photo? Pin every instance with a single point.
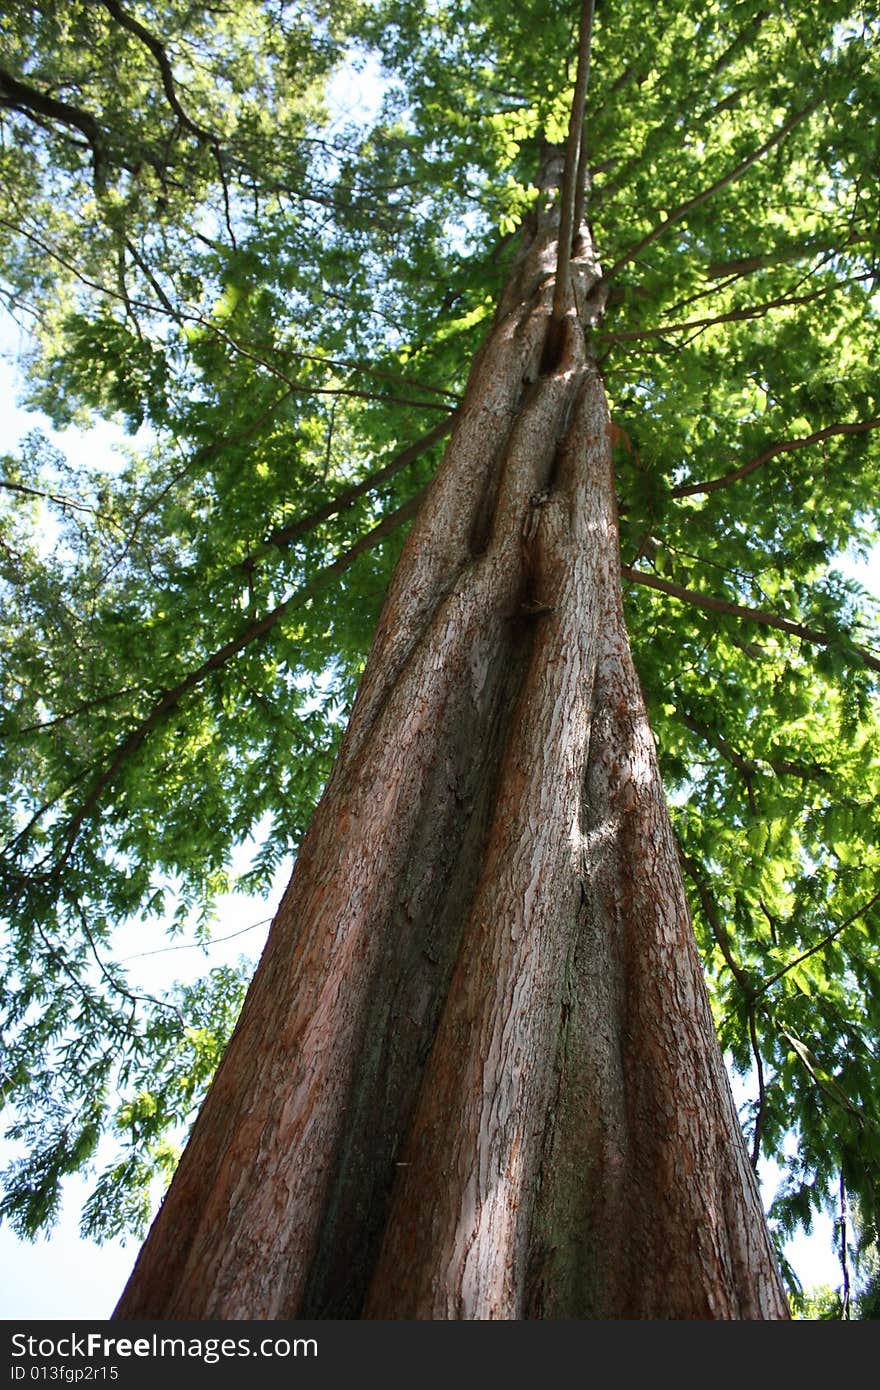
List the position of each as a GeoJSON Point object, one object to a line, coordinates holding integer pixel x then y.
{"type": "Point", "coordinates": [648, 1206]}
{"type": "Point", "coordinates": [241, 1226]}
{"type": "Point", "coordinates": [472, 1158]}
{"type": "Point", "coordinates": [474, 1154]}
{"type": "Point", "coordinates": [260, 1165]}
{"type": "Point", "coordinates": [457, 514]}
{"type": "Point", "coordinates": [430, 903]}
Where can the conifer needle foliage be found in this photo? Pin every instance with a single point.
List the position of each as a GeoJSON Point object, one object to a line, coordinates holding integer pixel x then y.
{"type": "Point", "coordinates": [280, 303]}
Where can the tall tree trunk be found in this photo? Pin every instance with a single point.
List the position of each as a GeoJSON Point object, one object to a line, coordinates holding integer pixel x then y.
{"type": "Point", "coordinates": [476, 1075]}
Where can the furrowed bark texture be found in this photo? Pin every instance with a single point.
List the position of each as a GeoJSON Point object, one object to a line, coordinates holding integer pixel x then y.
{"type": "Point", "coordinates": [476, 1075]}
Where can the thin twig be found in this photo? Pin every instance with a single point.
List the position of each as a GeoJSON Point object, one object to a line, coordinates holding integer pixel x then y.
{"type": "Point", "coordinates": [762, 1090]}
{"type": "Point", "coordinates": [738, 610]}
{"type": "Point", "coordinates": [116, 985]}
{"type": "Point", "coordinates": [826, 940]}
{"type": "Point", "coordinates": [735, 315]}
{"type": "Point", "coordinates": [785, 446]}
{"type": "Point", "coordinates": [725, 181]}
{"type": "Point", "coordinates": [258, 628]}
{"type": "Point", "coordinates": [198, 945]}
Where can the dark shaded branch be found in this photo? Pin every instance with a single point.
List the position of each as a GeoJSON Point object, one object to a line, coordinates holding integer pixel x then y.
{"type": "Point", "coordinates": [718, 932]}
{"type": "Point", "coordinates": [782, 255]}
{"type": "Point", "coordinates": [60, 959]}
{"type": "Point", "coordinates": [253, 356]}
{"type": "Point", "coordinates": [745, 35]}
{"type": "Point", "coordinates": [784, 768]}
{"type": "Point", "coordinates": [726, 274]}
{"type": "Point", "coordinates": [116, 985]}
{"type": "Point", "coordinates": [66, 504]}
{"type": "Point", "coordinates": [725, 181]}
{"type": "Point", "coordinates": [747, 767]}
{"type": "Point", "coordinates": [22, 834]}
{"type": "Point", "coordinates": [181, 314]}
{"type": "Point", "coordinates": [56, 497]}
{"type": "Point", "coordinates": [30, 101]}
{"type": "Point", "coordinates": [202, 455]}
{"type": "Point", "coordinates": [185, 315]}
{"type": "Point", "coordinates": [381, 375]}
{"type": "Point", "coordinates": [843, 1254]}
{"type": "Point", "coordinates": [224, 184]}
{"type": "Point", "coordinates": [96, 703]}
{"type": "Point", "coordinates": [738, 610]}
{"type": "Point", "coordinates": [157, 49]}
{"type": "Point", "coordinates": [772, 921]}
{"type": "Point", "coordinates": [361, 369]}
{"type": "Point", "coordinates": [744, 766]}
{"type": "Point", "coordinates": [639, 71]}
{"type": "Point", "coordinates": [745, 983]}
{"type": "Point", "coordinates": [785, 446]}
{"type": "Point", "coordinates": [824, 1083]}
{"type": "Point", "coordinates": [157, 289]}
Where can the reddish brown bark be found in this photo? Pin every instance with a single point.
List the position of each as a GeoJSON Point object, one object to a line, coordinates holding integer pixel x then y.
{"type": "Point", "coordinates": [476, 1075]}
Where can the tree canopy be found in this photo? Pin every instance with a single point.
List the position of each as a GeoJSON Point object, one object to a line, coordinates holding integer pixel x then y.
{"type": "Point", "coordinates": [282, 306]}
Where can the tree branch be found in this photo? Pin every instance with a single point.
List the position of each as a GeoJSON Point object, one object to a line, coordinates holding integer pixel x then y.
{"type": "Point", "coordinates": [187, 315]}
{"type": "Point", "coordinates": [21, 835]}
{"type": "Point", "coordinates": [762, 1089]}
{"type": "Point", "coordinates": [96, 703]}
{"type": "Point", "coordinates": [842, 1250]}
{"type": "Point", "coordinates": [738, 610]}
{"type": "Point", "coordinates": [57, 498]}
{"type": "Point", "coordinates": [154, 284]}
{"type": "Point", "coordinates": [819, 945]}
{"type": "Point", "coordinates": [728, 272]}
{"type": "Point", "coordinates": [734, 315]}
{"type": "Point", "coordinates": [157, 49]}
{"type": "Point", "coordinates": [718, 932]}
{"type": "Point", "coordinates": [283, 536]}
{"type": "Point", "coordinates": [29, 101]}
{"type": "Point", "coordinates": [258, 628]}
{"type": "Point", "coordinates": [744, 766]}
{"type": "Point", "coordinates": [783, 447]}
{"type": "Point", "coordinates": [824, 1083]}
{"type": "Point", "coordinates": [782, 255]}
{"type": "Point", "coordinates": [116, 985]}
{"type": "Point", "coordinates": [202, 455]}
{"type": "Point", "coordinates": [181, 314]}
{"type": "Point", "coordinates": [725, 181]}
{"type": "Point", "coordinates": [252, 356]}
{"type": "Point", "coordinates": [747, 767]}
{"type": "Point", "coordinates": [573, 163]}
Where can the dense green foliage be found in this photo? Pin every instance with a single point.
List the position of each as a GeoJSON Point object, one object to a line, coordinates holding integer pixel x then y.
{"type": "Point", "coordinates": [281, 303]}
